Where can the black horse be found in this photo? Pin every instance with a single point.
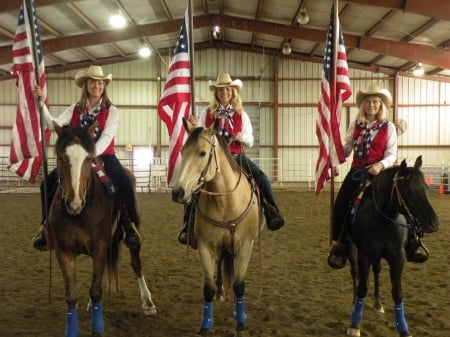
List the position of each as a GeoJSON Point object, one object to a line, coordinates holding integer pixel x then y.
{"type": "Point", "coordinates": [396, 200]}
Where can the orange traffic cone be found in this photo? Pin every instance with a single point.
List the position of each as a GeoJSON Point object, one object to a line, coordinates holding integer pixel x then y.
{"type": "Point", "coordinates": [429, 180]}
{"type": "Point", "coordinates": [441, 189]}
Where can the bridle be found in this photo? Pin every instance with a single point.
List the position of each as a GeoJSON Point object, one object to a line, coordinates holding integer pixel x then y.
{"type": "Point", "coordinates": [212, 154]}
{"type": "Point", "coordinates": [63, 193]}
{"type": "Point", "coordinates": [412, 221]}
{"type": "Point", "coordinates": [230, 224]}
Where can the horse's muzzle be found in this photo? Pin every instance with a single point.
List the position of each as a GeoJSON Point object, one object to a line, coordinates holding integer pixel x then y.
{"type": "Point", "coordinates": [180, 196]}
{"type": "Point", "coordinates": [74, 209]}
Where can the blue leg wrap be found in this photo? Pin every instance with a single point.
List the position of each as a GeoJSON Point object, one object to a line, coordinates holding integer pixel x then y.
{"type": "Point", "coordinates": [357, 312]}
{"type": "Point", "coordinates": [207, 319]}
{"type": "Point", "coordinates": [400, 321]}
{"type": "Point", "coordinates": [97, 324]}
{"type": "Point", "coordinates": [71, 323]}
{"type": "Point", "coordinates": [239, 310]}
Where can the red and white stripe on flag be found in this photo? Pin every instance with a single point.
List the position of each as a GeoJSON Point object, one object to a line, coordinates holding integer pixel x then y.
{"type": "Point", "coordinates": [331, 152]}
{"type": "Point", "coordinates": [175, 102]}
{"type": "Point", "coordinates": [26, 155]}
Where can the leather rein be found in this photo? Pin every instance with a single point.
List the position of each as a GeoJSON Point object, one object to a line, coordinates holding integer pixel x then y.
{"type": "Point", "coordinates": [413, 222]}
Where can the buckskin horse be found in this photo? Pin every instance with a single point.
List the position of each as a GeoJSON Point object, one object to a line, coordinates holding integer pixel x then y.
{"type": "Point", "coordinates": [84, 219]}
{"type": "Point", "coordinates": [395, 200]}
{"type": "Point", "coordinates": [227, 220]}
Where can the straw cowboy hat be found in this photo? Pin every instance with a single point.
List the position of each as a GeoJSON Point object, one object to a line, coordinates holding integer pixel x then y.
{"type": "Point", "coordinates": [224, 80]}
{"type": "Point", "coordinates": [374, 90]}
{"type": "Point", "coordinates": [94, 72]}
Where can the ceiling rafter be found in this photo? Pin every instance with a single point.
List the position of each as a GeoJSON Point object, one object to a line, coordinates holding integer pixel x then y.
{"type": "Point", "coordinates": [439, 57]}
{"type": "Point", "coordinates": [91, 25]}
{"type": "Point", "coordinates": [294, 23]}
{"type": "Point", "coordinates": [435, 9]}
{"type": "Point", "coordinates": [259, 9]}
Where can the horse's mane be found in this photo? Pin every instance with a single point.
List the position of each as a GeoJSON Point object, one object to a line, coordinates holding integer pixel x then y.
{"type": "Point", "coordinates": [78, 135]}
{"type": "Point", "coordinates": [195, 134]}
{"type": "Point", "coordinates": [413, 174]}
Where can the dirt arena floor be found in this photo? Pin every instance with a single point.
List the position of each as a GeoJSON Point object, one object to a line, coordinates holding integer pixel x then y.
{"type": "Point", "coordinates": [291, 291]}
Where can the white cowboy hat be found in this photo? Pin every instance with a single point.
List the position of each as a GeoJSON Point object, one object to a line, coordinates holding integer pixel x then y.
{"type": "Point", "coordinates": [94, 72]}
{"type": "Point", "coordinates": [224, 80]}
{"type": "Point", "coordinates": [374, 90]}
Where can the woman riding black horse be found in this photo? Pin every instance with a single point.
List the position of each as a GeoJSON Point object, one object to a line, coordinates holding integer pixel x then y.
{"type": "Point", "coordinates": [373, 140]}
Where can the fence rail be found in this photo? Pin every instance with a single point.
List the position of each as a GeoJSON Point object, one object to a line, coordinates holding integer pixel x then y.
{"type": "Point", "coordinates": [152, 178]}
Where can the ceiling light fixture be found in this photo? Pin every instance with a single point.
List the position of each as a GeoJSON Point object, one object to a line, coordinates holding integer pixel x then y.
{"type": "Point", "coordinates": [303, 17]}
{"type": "Point", "coordinates": [418, 69]}
{"type": "Point", "coordinates": [144, 52]}
{"type": "Point", "coordinates": [117, 20]}
{"type": "Point", "coordinates": [286, 50]}
{"type": "Point", "coordinates": [215, 32]}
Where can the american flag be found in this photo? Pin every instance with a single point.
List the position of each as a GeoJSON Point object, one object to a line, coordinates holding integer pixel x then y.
{"type": "Point", "coordinates": [26, 154]}
{"type": "Point", "coordinates": [175, 102]}
{"type": "Point", "coordinates": [331, 152]}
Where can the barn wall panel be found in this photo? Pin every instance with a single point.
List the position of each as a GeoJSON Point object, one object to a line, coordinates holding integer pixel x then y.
{"type": "Point", "coordinates": [284, 131]}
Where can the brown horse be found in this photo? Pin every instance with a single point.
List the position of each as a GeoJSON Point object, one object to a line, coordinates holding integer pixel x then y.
{"type": "Point", "coordinates": [84, 219]}
{"type": "Point", "coordinates": [228, 218]}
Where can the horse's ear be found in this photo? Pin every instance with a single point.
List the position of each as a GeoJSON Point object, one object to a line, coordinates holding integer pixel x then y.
{"type": "Point", "coordinates": [57, 128]}
{"type": "Point", "coordinates": [403, 166]}
{"type": "Point", "coordinates": [418, 163]}
{"type": "Point", "coordinates": [188, 126]}
{"type": "Point", "coordinates": [91, 129]}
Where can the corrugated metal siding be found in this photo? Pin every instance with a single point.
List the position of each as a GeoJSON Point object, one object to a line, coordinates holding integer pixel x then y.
{"type": "Point", "coordinates": [424, 104]}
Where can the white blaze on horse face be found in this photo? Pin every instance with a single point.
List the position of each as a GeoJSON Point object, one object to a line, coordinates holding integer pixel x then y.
{"type": "Point", "coordinates": [76, 155]}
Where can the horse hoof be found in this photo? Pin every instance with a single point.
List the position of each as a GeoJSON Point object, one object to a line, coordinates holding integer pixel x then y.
{"type": "Point", "coordinates": [241, 334]}
{"type": "Point", "coordinates": [203, 332]}
{"type": "Point", "coordinates": [150, 311]}
{"type": "Point", "coordinates": [353, 332]}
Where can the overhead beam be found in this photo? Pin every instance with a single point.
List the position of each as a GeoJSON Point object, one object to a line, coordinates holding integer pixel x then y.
{"type": "Point", "coordinates": [11, 5]}
{"type": "Point", "coordinates": [439, 57]}
{"type": "Point", "coordinates": [435, 9]}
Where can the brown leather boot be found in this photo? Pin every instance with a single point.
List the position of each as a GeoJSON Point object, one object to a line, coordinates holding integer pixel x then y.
{"type": "Point", "coordinates": [274, 220]}
{"type": "Point", "coordinates": [39, 240]}
{"type": "Point", "coordinates": [183, 235]}
{"type": "Point", "coordinates": [412, 250]}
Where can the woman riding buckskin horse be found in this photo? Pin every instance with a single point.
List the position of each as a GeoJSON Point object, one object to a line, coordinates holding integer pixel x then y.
{"type": "Point", "coordinates": [373, 140]}
{"type": "Point", "coordinates": [235, 126]}
{"type": "Point", "coordinates": [94, 106]}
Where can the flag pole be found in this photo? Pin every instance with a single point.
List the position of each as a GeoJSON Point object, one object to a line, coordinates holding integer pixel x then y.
{"type": "Point", "coordinates": [191, 56]}
{"type": "Point", "coordinates": [333, 106]}
{"type": "Point", "coordinates": [28, 4]}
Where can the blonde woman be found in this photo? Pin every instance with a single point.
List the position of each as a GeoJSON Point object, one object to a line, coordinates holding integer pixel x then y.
{"type": "Point", "coordinates": [373, 141]}
{"type": "Point", "coordinates": [235, 126]}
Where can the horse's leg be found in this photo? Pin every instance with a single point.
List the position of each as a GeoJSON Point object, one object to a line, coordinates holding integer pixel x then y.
{"type": "Point", "coordinates": [395, 270]}
{"type": "Point", "coordinates": [361, 292]}
{"type": "Point", "coordinates": [352, 256]}
{"type": "Point", "coordinates": [242, 259]}
{"type": "Point", "coordinates": [220, 290]}
{"type": "Point", "coordinates": [148, 306]}
{"type": "Point", "coordinates": [96, 291]}
{"type": "Point", "coordinates": [208, 265]}
{"type": "Point", "coordinates": [376, 267]}
{"type": "Point", "coordinates": [67, 265]}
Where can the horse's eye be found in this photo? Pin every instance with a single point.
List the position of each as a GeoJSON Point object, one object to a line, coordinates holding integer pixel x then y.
{"type": "Point", "coordinates": [202, 153]}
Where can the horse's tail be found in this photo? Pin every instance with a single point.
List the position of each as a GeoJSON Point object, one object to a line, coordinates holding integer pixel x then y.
{"type": "Point", "coordinates": [112, 263]}
{"type": "Point", "coordinates": [228, 268]}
